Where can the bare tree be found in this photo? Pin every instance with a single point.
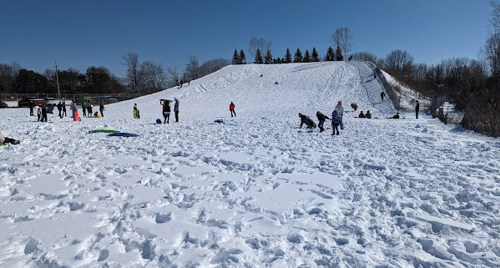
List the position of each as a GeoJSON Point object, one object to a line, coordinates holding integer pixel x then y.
{"type": "Point", "coordinates": [192, 70]}
{"type": "Point", "coordinates": [343, 38]}
{"type": "Point", "coordinates": [258, 44]}
{"type": "Point", "coordinates": [153, 77]}
{"type": "Point", "coordinates": [399, 62]}
{"type": "Point", "coordinates": [495, 15]}
{"type": "Point", "coordinates": [173, 77]}
{"type": "Point", "coordinates": [132, 62]}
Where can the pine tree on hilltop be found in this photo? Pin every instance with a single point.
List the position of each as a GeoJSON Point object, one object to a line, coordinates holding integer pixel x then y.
{"type": "Point", "coordinates": [315, 56]}
{"type": "Point", "coordinates": [307, 57]}
{"type": "Point", "coordinates": [243, 59]}
{"type": "Point", "coordinates": [236, 58]}
{"type": "Point", "coordinates": [288, 56]}
{"type": "Point", "coordinates": [258, 57]}
{"type": "Point", "coordinates": [330, 54]}
{"type": "Point", "coordinates": [338, 54]}
{"type": "Point", "coordinates": [298, 56]}
{"type": "Point", "coordinates": [268, 59]}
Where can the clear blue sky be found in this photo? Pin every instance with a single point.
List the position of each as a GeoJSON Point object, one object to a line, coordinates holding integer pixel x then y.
{"type": "Point", "coordinates": [82, 33]}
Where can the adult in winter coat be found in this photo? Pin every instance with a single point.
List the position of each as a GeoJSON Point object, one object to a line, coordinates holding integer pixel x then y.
{"type": "Point", "coordinates": [321, 119]}
{"type": "Point", "coordinates": [382, 95]}
{"type": "Point", "coordinates": [417, 107]}
{"type": "Point", "coordinates": [44, 113]}
{"type": "Point", "coordinates": [31, 105]}
{"type": "Point", "coordinates": [8, 140]}
{"type": "Point", "coordinates": [304, 119]}
{"type": "Point", "coordinates": [166, 111]}
{"type": "Point", "coordinates": [101, 108]}
{"type": "Point", "coordinates": [340, 113]}
{"type": "Point", "coordinates": [176, 110]}
{"type": "Point", "coordinates": [59, 107]}
{"type": "Point", "coordinates": [335, 122]}
{"type": "Point", "coordinates": [231, 109]}
{"type": "Point", "coordinates": [84, 109]}
{"type": "Point", "coordinates": [63, 109]}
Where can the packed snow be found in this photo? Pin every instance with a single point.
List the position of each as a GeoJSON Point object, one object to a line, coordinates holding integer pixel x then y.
{"type": "Point", "coordinates": [255, 190]}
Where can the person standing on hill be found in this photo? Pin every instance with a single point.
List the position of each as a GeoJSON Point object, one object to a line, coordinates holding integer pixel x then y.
{"type": "Point", "coordinates": [166, 110]}
{"type": "Point", "coordinates": [84, 108]}
{"type": "Point", "coordinates": [44, 113]}
{"type": "Point", "coordinates": [101, 108]}
{"type": "Point", "coordinates": [335, 122]}
{"type": "Point", "coordinates": [231, 109]}
{"type": "Point", "coordinates": [340, 113]}
{"type": "Point", "coordinates": [63, 108]}
{"type": "Point", "coordinates": [382, 95]}
{"type": "Point", "coordinates": [417, 108]}
{"type": "Point", "coordinates": [59, 107]}
{"type": "Point", "coordinates": [137, 115]}
{"type": "Point", "coordinates": [31, 105]}
{"type": "Point", "coordinates": [176, 110]}
{"type": "Point", "coordinates": [321, 119]}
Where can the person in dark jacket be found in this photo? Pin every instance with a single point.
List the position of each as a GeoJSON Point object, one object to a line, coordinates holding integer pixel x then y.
{"type": "Point", "coordinates": [8, 140]}
{"type": "Point", "coordinates": [44, 113]}
{"type": "Point", "coordinates": [335, 122]}
{"type": "Point", "coordinates": [166, 111]}
{"type": "Point", "coordinates": [59, 107]}
{"type": "Point", "coordinates": [382, 95]}
{"type": "Point", "coordinates": [304, 119]}
{"type": "Point", "coordinates": [176, 110]}
{"type": "Point", "coordinates": [101, 108]}
{"type": "Point", "coordinates": [417, 107]}
{"type": "Point", "coordinates": [31, 105]}
{"type": "Point", "coordinates": [321, 119]}
{"type": "Point", "coordinates": [368, 114]}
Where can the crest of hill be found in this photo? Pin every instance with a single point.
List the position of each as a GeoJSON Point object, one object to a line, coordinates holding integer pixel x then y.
{"type": "Point", "coordinates": [274, 90]}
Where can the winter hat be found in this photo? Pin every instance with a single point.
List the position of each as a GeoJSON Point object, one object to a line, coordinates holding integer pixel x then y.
{"type": "Point", "coordinates": [340, 102]}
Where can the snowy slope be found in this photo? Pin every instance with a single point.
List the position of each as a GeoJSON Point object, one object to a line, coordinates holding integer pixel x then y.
{"type": "Point", "coordinates": [256, 191]}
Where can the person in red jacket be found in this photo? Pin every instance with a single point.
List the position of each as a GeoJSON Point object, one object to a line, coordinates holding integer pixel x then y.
{"type": "Point", "coordinates": [231, 109]}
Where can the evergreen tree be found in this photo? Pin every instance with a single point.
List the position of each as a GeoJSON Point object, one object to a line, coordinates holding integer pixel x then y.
{"type": "Point", "coordinates": [288, 56]}
{"type": "Point", "coordinates": [298, 56]}
{"type": "Point", "coordinates": [315, 56]}
{"type": "Point", "coordinates": [236, 57]}
{"type": "Point", "coordinates": [258, 57]}
{"type": "Point", "coordinates": [338, 54]}
{"type": "Point", "coordinates": [243, 59]}
{"type": "Point", "coordinates": [307, 57]}
{"type": "Point", "coordinates": [330, 55]}
{"type": "Point", "coordinates": [268, 59]}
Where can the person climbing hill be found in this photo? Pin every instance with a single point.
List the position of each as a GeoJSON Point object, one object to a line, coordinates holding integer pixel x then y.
{"type": "Point", "coordinates": [304, 119]}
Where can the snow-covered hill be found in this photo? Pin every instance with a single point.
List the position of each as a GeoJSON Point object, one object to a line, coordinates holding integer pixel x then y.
{"type": "Point", "coordinates": [256, 191]}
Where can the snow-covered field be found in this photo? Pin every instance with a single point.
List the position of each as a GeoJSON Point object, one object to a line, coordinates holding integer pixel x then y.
{"type": "Point", "coordinates": [255, 191]}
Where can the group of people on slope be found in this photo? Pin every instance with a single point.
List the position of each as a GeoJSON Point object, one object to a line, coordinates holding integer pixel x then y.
{"type": "Point", "coordinates": [336, 118]}
{"type": "Point", "coordinates": [166, 110]}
